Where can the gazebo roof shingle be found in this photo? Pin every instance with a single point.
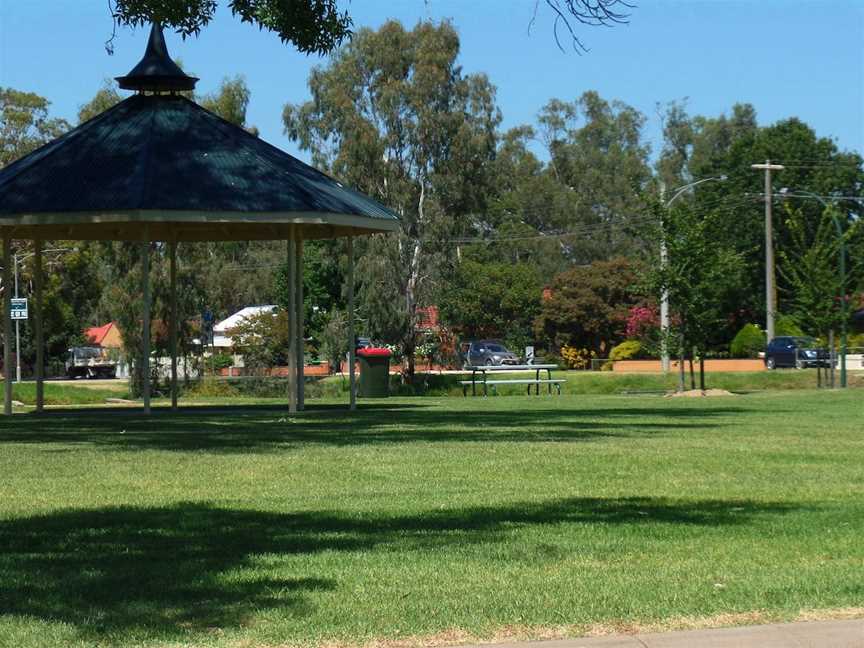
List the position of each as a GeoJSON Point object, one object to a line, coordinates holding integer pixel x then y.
{"type": "Point", "coordinates": [164, 164]}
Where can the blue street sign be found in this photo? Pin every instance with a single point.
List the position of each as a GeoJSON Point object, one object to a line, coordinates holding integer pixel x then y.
{"type": "Point", "coordinates": [19, 308]}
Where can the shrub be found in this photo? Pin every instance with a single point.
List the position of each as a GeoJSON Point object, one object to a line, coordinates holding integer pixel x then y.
{"type": "Point", "coordinates": [785, 325]}
{"type": "Point", "coordinates": [221, 361]}
{"type": "Point", "coordinates": [577, 358]}
{"type": "Point", "coordinates": [748, 342]}
{"type": "Point", "coordinates": [627, 350]}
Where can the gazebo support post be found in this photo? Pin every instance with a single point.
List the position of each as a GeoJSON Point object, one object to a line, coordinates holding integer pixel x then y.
{"type": "Point", "coordinates": [352, 340]}
{"type": "Point", "coordinates": [145, 316]}
{"type": "Point", "coordinates": [37, 324]}
{"type": "Point", "coordinates": [292, 322]}
{"type": "Point", "coordinates": [7, 324]}
{"type": "Point", "coordinates": [172, 334]}
{"type": "Point", "coordinates": [298, 280]}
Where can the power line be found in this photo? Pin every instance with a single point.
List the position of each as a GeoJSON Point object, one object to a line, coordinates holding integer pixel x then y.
{"type": "Point", "coordinates": [590, 228]}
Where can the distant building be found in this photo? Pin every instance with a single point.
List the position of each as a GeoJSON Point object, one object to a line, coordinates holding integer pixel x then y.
{"type": "Point", "coordinates": [427, 318]}
{"type": "Point", "coordinates": [106, 336]}
{"type": "Point", "coordinates": [222, 331]}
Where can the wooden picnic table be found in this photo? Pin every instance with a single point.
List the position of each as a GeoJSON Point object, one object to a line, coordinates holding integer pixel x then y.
{"type": "Point", "coordinates": [480, 374]}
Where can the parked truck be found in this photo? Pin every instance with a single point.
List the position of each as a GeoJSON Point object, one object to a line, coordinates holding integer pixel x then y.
{"type": "Point", "coordinates": [90, 362]}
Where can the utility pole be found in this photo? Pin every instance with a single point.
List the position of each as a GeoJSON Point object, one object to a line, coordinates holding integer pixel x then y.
{"type": "Point", "coordinates": [770, 294]}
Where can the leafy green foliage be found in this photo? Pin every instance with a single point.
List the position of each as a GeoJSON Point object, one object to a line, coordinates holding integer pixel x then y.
{"type": "Point", "coordinates": [312, 26]}
{"type": "Point", "coordinates": [786, 325]}
{"type": "Point", "coordinates": [577, 358]}
{"type": "Point", "coordinates": [587, 306]}
{"type": "Point", "coordinates": [263, 340]}
{"type": "Point", "coordinates": [701, 147]}
{"type": "Point", "coordinates": [230, 102]}
{"type": "Point", "coordinates": [810, 264]}
{"type": "Point", "coordinates": [492, 300]}
{"type": "Point", "coordinates": [334, 338]}
{"type": "Point", "coordinates": [598, 154]}
{"type": "Point", "coordinates": [700, 272]}
{"type": "Point", "coordinates": [25, 124]}
{"type": "Point", "coordinates": [627, 350]}
{"type": "Point", "coordinates": [748, 342]}
{"type": "Point", "coordinates": [574, 209]}
{"type": "Point", "coordinates": [323, 282]}
{"type": "Point", "coordinates": [106, 97]}
{"type": "Point", "coordinates": [72, 290]}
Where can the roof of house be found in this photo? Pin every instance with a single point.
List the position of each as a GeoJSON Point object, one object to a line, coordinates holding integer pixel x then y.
{"type": "Point", "coordinates": [234, 320]}
{"type": "Point", "coordinates": [97, 334]}
{"type": "Point", "coordinates": [427, 317]}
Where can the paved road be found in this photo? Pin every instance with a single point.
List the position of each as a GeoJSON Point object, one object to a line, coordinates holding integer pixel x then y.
{"type": "Point", "coordinates": [817, 634]}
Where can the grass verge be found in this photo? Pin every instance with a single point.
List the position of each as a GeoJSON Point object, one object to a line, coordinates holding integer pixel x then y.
{"type": "Point", "coordinates": [65, 394]}
{"type": "Point", "coordinates": [578, 382]}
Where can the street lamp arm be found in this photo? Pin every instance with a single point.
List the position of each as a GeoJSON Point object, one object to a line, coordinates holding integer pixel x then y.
{"type": "Point", "coordinates": [683, 189]}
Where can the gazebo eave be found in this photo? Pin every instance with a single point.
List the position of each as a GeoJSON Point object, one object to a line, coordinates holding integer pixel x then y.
{"type": "Point", "coordinates": [181, 226]}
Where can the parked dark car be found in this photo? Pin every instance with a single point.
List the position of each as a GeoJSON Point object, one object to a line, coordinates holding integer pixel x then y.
{"type": "Point", "coordinates": [487, 352]}
{"type": "Point", "coordinates": [797, 352]}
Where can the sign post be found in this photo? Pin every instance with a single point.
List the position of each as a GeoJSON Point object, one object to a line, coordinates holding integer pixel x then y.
{"type": "Point", "coordinates": [18, 312]}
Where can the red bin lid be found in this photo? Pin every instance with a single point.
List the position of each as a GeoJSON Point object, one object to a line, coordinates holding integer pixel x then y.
{"type": "Point", "coordinates": [374, 352]}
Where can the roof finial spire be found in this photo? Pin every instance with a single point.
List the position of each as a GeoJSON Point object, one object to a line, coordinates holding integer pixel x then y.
{"type": "Point", "coordinates": [156, 72]}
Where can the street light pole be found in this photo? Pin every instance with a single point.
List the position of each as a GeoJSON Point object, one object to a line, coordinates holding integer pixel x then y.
{"type": "Point", "coordinates": [770, 298]}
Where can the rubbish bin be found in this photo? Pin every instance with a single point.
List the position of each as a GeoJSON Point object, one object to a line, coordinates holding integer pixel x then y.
{"type": "Point", "coordinates": [374, 372]}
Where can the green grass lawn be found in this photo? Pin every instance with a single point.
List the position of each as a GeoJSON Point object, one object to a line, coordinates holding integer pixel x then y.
{"type": "Point", "coordinates": [87, 392]}
{"type": "Point", "coordinates": [432, 517]}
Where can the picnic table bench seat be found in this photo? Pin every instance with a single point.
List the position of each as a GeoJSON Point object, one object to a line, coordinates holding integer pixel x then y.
{"type": "Point", "coordinates": [479, 376]}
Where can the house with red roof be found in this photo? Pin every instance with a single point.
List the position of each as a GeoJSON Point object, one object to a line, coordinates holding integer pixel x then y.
{"type": "Point", "coordinates": [106, 336]}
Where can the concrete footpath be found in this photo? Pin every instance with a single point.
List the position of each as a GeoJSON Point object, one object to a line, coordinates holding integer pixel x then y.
{"type": "Point", "coordinates": [811, 634]}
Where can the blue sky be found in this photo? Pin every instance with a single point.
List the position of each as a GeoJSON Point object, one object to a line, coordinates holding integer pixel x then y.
{"type": "Point", "coordinates": [786, 57]}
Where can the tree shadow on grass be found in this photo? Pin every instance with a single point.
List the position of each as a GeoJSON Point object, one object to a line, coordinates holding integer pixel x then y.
{"type": "Point", "coordinates": [169, 572]}
{"type": "Point", "coordinates": [268, 429]}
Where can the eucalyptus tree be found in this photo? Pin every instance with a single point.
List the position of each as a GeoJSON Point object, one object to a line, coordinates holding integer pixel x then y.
{"type": "Point", "coordinates": [597, 152]}
{"type": "Point", "coordinates": [394, 115]}
{"type": "Point", "coordinates": [25, 124]}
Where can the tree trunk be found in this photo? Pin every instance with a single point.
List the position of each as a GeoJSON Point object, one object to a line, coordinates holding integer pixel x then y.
{"type": "Point", "coordinates": [681, 369]}
{"type": "Point", "coordinates": [692, 374]}
{"type": "Point", "coordinates": [702, 372]}
{"type": "Point", "coordinates": [412, 287]}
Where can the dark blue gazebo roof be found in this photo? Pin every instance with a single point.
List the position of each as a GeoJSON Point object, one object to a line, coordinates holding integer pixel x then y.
{"type": "Point", "coordinates": [161, 163]}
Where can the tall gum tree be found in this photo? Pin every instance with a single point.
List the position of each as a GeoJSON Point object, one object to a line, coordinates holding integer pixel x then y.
{"type": "Point", "coordinates": [393, 115]}
{"type": "Point", "coordinates": [25, 124]}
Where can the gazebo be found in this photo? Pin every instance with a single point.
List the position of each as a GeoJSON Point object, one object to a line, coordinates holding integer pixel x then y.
{"type": "Point", "coordinates": [157, 167]}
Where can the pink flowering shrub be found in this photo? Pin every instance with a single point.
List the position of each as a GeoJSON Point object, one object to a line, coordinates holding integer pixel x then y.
{"type": "Point", "coordinates": [642, 322]}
